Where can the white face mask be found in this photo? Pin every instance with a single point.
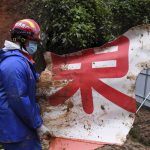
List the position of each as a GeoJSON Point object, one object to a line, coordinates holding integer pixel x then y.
{"type": "Point", "coordinates": [32, 47]}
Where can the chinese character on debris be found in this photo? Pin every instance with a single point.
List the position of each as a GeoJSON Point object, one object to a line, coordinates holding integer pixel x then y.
{"type": "Point", "coordinates": [92, 96]}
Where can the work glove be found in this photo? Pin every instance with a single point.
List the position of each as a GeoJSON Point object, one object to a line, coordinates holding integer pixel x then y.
{"type": "Point", "coordinates": [44, 133]}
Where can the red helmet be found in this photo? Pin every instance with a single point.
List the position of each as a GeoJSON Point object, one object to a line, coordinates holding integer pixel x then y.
{"type": "Point", "coordinates": [26, 29]}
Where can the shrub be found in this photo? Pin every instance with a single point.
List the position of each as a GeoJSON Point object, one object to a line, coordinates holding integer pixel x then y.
{"type": "Point", "coordinates": [71, 25]}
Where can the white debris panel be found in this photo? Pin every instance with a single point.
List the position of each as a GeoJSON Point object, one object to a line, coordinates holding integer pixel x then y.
{"type": "Point", "coordinates": [92, 93]}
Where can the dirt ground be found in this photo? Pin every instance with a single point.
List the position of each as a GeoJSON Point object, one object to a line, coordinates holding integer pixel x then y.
{"type": "Point", "coordinates": [139, 137]}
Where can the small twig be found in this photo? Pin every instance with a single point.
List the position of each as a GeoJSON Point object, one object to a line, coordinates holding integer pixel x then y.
{"type": "Point", "coordinates": [143, 102]}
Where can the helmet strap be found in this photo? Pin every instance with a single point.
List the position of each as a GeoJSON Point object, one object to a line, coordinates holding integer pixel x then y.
{"type": "Point", "coordinates": [22, 46]}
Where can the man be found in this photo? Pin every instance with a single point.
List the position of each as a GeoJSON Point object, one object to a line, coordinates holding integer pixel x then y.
{"type": "Point", "coordinates": [20, 120]}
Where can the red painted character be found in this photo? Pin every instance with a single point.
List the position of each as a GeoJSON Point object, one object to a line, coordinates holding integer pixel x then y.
{"type": "Point", "coordinates": [87, 77]}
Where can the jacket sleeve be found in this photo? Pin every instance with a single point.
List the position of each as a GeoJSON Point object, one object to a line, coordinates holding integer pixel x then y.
{"type": "Point", "coordinates": [15, 80]}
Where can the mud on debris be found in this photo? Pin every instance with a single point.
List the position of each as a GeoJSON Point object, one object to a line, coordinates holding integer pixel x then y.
{"type": "Point", "coordinates": [139, 136]}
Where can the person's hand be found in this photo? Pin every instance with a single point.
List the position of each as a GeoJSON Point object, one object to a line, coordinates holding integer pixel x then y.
{"type": "Point", "coordinates": [45, 79]}
{"type": "Point", "coordinates": [46, 76]}
{"type": "Point", "coordinates": [44, 133]}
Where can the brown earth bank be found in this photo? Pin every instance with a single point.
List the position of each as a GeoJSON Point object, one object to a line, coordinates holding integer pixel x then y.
{"type": "Point", "coordinates": [10, 11]}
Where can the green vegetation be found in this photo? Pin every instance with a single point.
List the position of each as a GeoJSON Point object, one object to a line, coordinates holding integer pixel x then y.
{"type": "Point", "coordinates": [1, 148]}
{"type": "Point", "coordinates": [70, 25]}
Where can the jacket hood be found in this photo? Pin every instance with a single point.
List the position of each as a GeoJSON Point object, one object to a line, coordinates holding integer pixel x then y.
{"type": "Point", "coordinates": [11, 49]}
{"type": "Point", "coordinates": [8, 45]}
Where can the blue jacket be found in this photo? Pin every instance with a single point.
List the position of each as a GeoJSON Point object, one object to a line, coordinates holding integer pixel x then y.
{"type": "Point", "coordinates": [19, 112]}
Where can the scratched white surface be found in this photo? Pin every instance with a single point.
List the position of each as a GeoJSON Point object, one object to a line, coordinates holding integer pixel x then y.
{"type": "Point", "coordinates": [108, 123]}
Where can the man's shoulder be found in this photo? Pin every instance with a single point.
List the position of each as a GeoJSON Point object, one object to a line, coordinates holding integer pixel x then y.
{"type": "Point", "coordinates": [14, 59]}
{"type": "Point", "coordinates": [13, 62]}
